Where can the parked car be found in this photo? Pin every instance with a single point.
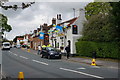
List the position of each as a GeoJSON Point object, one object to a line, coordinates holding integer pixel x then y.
{"type": "Point", "coordinates": [50, 52]}
{"type": "Point", "coordinates": [18, 46]}
{"type": "Point", "coordinates": [6, 45]}
{"type": "Point", "coordinates": [24, 46]}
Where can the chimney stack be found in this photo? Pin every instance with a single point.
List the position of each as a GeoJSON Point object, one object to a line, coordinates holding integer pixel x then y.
{"type": "Point", "coordinates": [59, 19]}
{"type": "Point", "coordinates": [54, 21]}
{"type": "Point", "coordinates": [45, 28]}
{"type": "Point", "coordinates": [38, 29]}
{"type": "Point", "coordinates": [35, 32]}
{"type": "Point", "coordinates": [57, 16]}
{"type": "Point", "coordinates": [45, 24]}
{"type": "Point", "coordinates": [41, 27]}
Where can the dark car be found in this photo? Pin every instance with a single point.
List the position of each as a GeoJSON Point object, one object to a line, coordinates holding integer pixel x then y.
{"type": "Point", "coordinates": [24, 46]}
{"type": "Point", "coordinates": [50, 52]}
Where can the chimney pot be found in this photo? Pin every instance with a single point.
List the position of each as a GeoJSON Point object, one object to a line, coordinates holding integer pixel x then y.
{"type": "Point", "coordinates": [35, 31]}
{"type": "Point", "coordinates": [59, 17]}
{"type": "Point", "coordinates": [54, 21]}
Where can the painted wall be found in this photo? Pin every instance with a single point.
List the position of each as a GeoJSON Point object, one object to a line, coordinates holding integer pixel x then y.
{"type": "Point", "coordinates": [68, 33]}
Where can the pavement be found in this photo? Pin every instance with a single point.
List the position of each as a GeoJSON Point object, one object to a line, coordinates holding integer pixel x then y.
{"type": "Point", "coordinates": [100, 63]}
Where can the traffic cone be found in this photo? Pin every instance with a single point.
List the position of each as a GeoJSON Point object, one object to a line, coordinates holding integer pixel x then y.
{"type": "Point", "coordinates": [93, 62]}
{"type": "Point", "coordinates": [20, 76]}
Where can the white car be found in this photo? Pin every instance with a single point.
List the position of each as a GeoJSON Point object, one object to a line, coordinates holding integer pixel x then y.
{"type": "Point", "coordinates": [6, 45]}
{"type": "Point", "coordinates": [18, 46]}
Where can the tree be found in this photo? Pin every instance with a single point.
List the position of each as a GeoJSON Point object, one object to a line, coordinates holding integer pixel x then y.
{"type": "Point", "coordinates": [115, 19]}
{"type": "Point", "coordinates": [96, 8]}
{"type": "Point", "coordinates": [3, 19]}
{"type": "Point", "coordinates": [3, 24]}
{"type": "Point", "coordinates": [15, 7]}
{"type": "Point", "coordinates": [99, 26]}
{"type": "Point", "coordinates": [21, 43]}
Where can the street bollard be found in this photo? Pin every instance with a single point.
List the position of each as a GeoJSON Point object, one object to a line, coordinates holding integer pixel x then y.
{"type": "Point", "coordinates": [28, 50]}
{"type": "Point", "coordinates": [22, 48]}
{"type": "Point", "coordinates": [93, 62]}
{"type": "Point", "coordinates": [94, 54]}
{"type": "Point", "coordinates": [20, 76]}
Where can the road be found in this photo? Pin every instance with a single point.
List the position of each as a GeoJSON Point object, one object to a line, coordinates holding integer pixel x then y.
{"type": "Point", "coordinates": [17, 60]}
{"type": "Point", "coordinates": [0, 62]}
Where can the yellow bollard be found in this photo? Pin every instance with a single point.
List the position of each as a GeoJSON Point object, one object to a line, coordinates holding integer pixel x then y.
{"type": "Point", "coordinates": [93, 62]}
{"type": "Point", "coordinates": [28, 50]}
{"type": "Point", "coordinates": [20, 76]}
{"type": "Point", "coordinates": [22, 48]}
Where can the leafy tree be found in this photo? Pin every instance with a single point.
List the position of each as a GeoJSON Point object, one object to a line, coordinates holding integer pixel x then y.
{"type": "Point", "coordinates": [99, 25]}
{"type": "Point", "coordinates": [3, 24]}
{"type": "Point", "coordinates": [101, 30]}
{"type": "Point", "coordinates": [15, 7]}
{"type": "Point", "coordinates": [21, 43]}
{"type": "Point", "coordinates": [98, 28]}
{"type": "Point", "coordinates": [96, 8]}
{"type": "Point", "coordinates": [115, 19]}
{"type": "Point", "coordinates": [3, 19]}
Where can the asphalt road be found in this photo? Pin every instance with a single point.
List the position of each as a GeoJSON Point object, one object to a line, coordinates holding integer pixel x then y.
{"type": "Point", "coordinates": [17, 60]}
{"type": "Point", "coordinates": [0, 62]}
{"type": "Point", "coordinates": [0, 56]}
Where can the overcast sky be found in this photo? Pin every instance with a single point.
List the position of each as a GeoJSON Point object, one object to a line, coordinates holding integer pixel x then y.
{"type": "Point", "coordinates": [29, 19]}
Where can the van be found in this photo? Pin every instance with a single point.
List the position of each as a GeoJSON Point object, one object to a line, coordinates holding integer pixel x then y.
{"type": "Point", "coordinates": [6, 45]}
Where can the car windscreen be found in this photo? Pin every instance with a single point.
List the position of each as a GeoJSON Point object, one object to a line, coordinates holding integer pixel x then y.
{"type": "Point", "coordinates": [6, 44]}
{"type": "Point", "coordinates": [51, 49]}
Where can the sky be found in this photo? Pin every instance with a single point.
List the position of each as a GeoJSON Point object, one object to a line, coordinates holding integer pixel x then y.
{"type": "Point", "coordinates": [29, 19]}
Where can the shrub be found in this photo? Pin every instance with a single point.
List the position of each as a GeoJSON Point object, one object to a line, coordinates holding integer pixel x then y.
{"type": "Point", "coordinates": [103, 49]}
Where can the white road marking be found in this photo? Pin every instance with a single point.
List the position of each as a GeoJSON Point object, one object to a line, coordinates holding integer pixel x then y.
{"type": "Point", "coordinates": [23, 57]}
{"type": "Point", "coordinates": [40, 62]}
{"type": "Point", "coordinates": [81, 68]}
{"type": "Point", "coordinates": [13, 53]}
{"type": "Point", "coordinates": [81, 73]}
{"type": "Point", "coordinates": [95, 67]}
{"type": "Point", "coordinates": [10, 52]}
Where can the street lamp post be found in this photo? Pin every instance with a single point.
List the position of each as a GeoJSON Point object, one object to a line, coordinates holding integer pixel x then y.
{"type": "Point", "coordinates": [52, 39]}
{"type": "Point", "coordinates": [55, 42]}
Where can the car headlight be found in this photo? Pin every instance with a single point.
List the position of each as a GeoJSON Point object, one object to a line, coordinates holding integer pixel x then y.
{"type": "Point", "coordinates": [60, 53]}
{"type": "Point", "coordinates": [51, 53]}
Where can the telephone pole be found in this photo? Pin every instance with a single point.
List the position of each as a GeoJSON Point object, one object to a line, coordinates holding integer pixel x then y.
{"type": "Point", "coordinates": [74, 12]}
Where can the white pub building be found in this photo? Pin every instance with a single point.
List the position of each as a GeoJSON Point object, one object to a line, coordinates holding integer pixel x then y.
{"type": "Point", "coordinates": [68, 35]}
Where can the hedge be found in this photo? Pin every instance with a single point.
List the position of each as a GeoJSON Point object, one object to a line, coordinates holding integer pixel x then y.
{"type": "Point", "coordinates": [103, 49]}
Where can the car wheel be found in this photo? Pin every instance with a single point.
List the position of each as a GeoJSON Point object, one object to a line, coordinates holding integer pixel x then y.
{"type": "Point", "coordinates": [49, 57]}
{"type": "Point", "coordinates": [41, 55]}
{"type": "Point", "coordinates": [60, 57]}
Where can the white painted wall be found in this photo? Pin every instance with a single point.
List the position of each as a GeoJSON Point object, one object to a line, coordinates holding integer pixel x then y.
{"type": "Point", "coordinates": [72, 37]}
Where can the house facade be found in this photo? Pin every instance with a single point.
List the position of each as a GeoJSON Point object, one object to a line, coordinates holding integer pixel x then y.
{"type": "Point", "coordinates": [19, 40]}
{"type": "Point", "coordinates": [26, 39]}
{"type": "Point", "coordinates": [67, 37]}
{"type": "Point", "coordinates": [61, 38]}
{"type": "Point", "coordinates": [35, 38]}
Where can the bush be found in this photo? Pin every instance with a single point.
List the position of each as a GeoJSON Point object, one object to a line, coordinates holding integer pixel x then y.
{"type": "Point", "coordinates": [103, 49]}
